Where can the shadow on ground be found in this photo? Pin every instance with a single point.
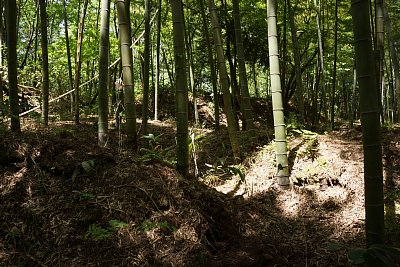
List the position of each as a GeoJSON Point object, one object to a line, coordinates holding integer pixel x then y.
{"type": "Point", "coordinates": [64, 201]}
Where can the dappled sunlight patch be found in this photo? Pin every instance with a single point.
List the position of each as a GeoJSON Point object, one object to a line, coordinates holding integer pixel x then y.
{"type": "Point", "coordinates": [186, 232]}
{"type": "Point", "coordinates": [172, 221]}
{"type": "Point", "coordinates": [11, 180]}
{"type": "Point", "coordinates": [261, 171]}
{"type": "Point", "coordinates": [290, 203]}
{"type": "Point", "coordinates": [338, 194]}
{"type": "Point", "coordinates": [233, 186]}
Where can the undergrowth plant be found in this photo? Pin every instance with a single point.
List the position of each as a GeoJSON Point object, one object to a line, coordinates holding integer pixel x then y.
{"type": "Point", "coordinates": [99, 233]}
{"type": "Point", "coordinates": [88, 167]}
{"type": "Point", "coordinates": [194, 147]}
{"type": "Point", "coordinates": [86, 196]}
{"type": "Point", "coordinates": [155, 152]}
{"type": "Point", "coordinates": [221, 168]}
{"type": "Point", "coordinates": [147, 225]}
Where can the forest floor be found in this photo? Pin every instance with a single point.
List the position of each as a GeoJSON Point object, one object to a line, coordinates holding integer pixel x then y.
{"type": "Point", "coordinates": [64, 201]}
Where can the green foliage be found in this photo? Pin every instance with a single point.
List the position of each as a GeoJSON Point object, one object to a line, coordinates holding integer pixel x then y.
{"type": "Point", "coordinates": [155, 152]}
{"type": "Point", "coordinates": [375, 255]}
{"type": "Point", "coordinates": [309, 149]}
{"type": "Point", "coordinates": [86, 196]}
{"type": "Point", "coordinates": [292, 124]}
{"type": "Point", "coordinates": [154, 140]}
{"type": "Point", "coordinates": [149, 225]}
{"type": "Point", "coordinates": [99, 233]}
{"type": "Point", "coordinates": [115, 224]}
{"type": "Point", "coordinates": [193, 140]}
{"type": "Point", "coordinates": [221, 168]}
{"type": "Point", "coordinates": [238, 170]}
{"type": "Point", "coordinates": [218, 166]}
{"type": "Point", "coordinates": [393, 195]}
{"type": "Point", "coordinates": [201, 260]}
{"type": "Point", "coordinates": [88, 165]}
{"type": "Point", "coordinates": [310, 142]}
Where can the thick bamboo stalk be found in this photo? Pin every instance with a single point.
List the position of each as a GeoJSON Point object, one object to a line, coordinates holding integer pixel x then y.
{"type": "Point", "coordinates": [369, 110]}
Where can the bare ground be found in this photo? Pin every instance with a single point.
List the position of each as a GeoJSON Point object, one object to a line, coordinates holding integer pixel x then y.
{"type": "Point", "coordinates": [66, 202]}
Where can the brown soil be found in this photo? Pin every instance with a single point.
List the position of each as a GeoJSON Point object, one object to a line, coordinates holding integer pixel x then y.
{"type": "Point", "coordinates": [66, 202]}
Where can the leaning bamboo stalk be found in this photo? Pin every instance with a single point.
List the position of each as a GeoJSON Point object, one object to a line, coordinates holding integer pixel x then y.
{"type": "Point", "coordinates": [71, 91]}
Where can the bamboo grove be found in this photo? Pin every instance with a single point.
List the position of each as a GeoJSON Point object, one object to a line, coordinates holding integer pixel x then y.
{"type": "Point", "coordinates": [105, 57]}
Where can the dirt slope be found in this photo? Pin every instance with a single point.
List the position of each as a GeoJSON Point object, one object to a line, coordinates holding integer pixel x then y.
{"type": "Point", "coordinates": [64, 201]}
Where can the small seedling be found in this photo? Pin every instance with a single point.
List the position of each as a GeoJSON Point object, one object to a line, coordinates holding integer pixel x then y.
{"type": "Point", "coordinates": [148, 226]}
{"type": "Point", "coordinates": [86, 196]}
{"type": "Point", "coordinates": [154, 150]}
{"type": "Point", "coordinates": [88, 165]}
{"type": "Point", "coordinates": [153, 140]}
{"type": "Point", "coordinates": [115, 224]}
{"type": "Point", "coordinates": [238, 170]}
{"type": "Point", "coordinates": [99, 233]}
{"type": "Point", "coordinates": [214, 167]}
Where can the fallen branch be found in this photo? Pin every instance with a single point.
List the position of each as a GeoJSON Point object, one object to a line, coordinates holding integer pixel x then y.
{"type": "Point", "coordinates": [36, 90]}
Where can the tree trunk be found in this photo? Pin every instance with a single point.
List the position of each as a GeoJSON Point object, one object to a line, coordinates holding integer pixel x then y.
{"type": "Point", "coordinates": [34, 81]}
{"type": "Point", "coordinates": [70, 79]}
{"type": "Point", "coordinates": [256, 90]}
{"type": "Point", "coordinates": [284, 53]}
{"type": "Point", "coordinates": [127, 72]}
{"type": "Point", "coordinates": [394, 60]}
{"type": "Point", "coordinates": [78, 61]}
{"type": "Point", "coordinates": [104, 55]}
{"type": "Point", "coordinates": [314, 107]}
{"type": "Point", "coordinates": [167, 65]}
{"type": "Point", "coordinates": [211, 63]}
{"type": "Point", "coordinates": [146, 69]}
{"type": "Point", "coordinates": [346, 94]}
{"type": "Point", "coordinates": [371, 20]}
{"type": "Point", "coordinates": [391, 104]}
{"type": "Point", "coordinates": [369, 110]}
{"type": "Point", "coordinates": [384, 98]}
{"type": "Point", "coordinates": [157, 85]}
{"type": "Point", "coordinates": [277, 105]}
{"type": "Point", "coordinates": [224, 80]}
{"type": "Point", "coordinates": [353, 94]}
{"type": "Point", "coordinates": [189, 55]}
{"type": "Point", "coordinates": [379, 20]}
{"type": "Point", "coordinates": [45, 63]}
{"type": "Point", "coordinates": [245, 96]}
{"type": "Point", "coordinates": [297, 64]}
{"type": "Point", "coordinates": [233, 76]}
{"type": "Point", "coordinates": [2, 106]}
{"type": "Point", "coordinates": [321, 60]}
{"type": "Point", "coordinates": [334, 69]}
{"type": "Point", "coordinates": [32, 36]}
{"type": "Point", "coordinates": [191, 75]}
{"type": "Point", "coordinates": [11, 14]}
{"type": "Point", "coordinates": [182, 148]}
